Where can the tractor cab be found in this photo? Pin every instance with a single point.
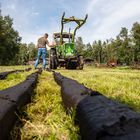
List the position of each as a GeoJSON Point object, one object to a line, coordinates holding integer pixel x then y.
{"type": "Point", "coordinates": [65, 54]}
{"type": "Point", "coordinates": [65, 35]}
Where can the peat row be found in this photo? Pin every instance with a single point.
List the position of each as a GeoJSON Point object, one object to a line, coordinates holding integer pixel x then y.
{"type": "Point", "coordinates": [98, 117]}
{"type": "Point", "coordinates": [3, 75]}
{"type": "Point", "coordinates": [12, 100]}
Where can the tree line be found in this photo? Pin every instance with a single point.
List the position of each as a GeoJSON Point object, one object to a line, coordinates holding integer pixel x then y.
{"type": "Point", "coordinates": [12, 51]}
{"type": "Point", "coordinates": [124, 49]}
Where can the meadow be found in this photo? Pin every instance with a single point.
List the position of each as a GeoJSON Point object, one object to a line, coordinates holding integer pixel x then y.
{"type": "Point", "coordinates": [14, 78]}
{"type": "Point", "coordinates": [46, 118]}
{"type": "Point", "coordinates": [121, 84]}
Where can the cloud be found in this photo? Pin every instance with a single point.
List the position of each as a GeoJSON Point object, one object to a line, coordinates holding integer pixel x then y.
{"type": "Point", "coordinates": [92, 5]}
{"type": "Point", "coordinates": [106, 17]}
{"type": "Point", "coordinates": [12, 7]}
{"type": "Point", "coordinates": [35, 13]}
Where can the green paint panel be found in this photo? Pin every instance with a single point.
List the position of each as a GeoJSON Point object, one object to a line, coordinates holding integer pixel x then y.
{"type": "Point", "coordinates": [69, 49]}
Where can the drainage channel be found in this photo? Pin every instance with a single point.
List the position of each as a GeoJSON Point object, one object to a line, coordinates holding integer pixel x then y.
{"type": "Point", "coordinates": [12, 100]}
{"type": "Point", "coordinates": [98, 117]}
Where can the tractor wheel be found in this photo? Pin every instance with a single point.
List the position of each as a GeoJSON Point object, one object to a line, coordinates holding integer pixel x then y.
{"type": "Point", "coordinates": [71, 64]}
{"type": "Point", "coordinates": [53, 59]}
{"type": "Point", "coordinates": [68, 65]}
{"type": "Point", "coordinates": [80, 62]}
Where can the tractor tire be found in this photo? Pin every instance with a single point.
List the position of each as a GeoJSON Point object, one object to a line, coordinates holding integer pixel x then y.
{"type": "Point", "coordinates": [80, 62]}
{"type": "Point", "coordinates": [71, 64]}
{"type": "Point", "coordinates": [68, 65]}
{"type": "Point", "coordinates": [53, 59]}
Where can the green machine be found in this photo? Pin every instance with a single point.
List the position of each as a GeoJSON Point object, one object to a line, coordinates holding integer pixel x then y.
{"type": "Point", "coordinates": [64, 54]}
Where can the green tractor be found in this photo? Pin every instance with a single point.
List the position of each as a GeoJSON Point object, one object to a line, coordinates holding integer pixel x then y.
{"type": "Point", "coordinates": [64, 54]}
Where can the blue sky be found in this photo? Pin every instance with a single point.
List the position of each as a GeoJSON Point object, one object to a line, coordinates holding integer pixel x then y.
{"type": "Point", "coordinates": [33, 18]}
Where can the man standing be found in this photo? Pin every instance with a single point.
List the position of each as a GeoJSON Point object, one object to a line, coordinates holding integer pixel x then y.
{"type": "Point", "coordinates": [41, 45]}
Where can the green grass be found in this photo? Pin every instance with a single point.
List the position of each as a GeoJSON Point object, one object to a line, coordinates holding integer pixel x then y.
{"type": "Point", "coordinates": [47, 118]}
{"type": "Point", "coordinates": [122, 85]}
{"type": "Point", "coordinates": [9, 68]}
{"type": "Point", "coordinates": [14, 79]}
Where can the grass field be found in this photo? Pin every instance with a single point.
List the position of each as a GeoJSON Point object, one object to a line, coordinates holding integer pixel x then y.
{"type": "Point", "coordinates": [14, 78]}
{"type": "Point", "coordinates": [45, 117]}
{"type": "Point", "coordinates": [119, 84]}
{"type": "Point", "coordinates": [9, 68]}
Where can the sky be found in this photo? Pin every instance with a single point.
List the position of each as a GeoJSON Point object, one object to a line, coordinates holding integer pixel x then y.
{"type": "Point", "coordinates": [33, 18]}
